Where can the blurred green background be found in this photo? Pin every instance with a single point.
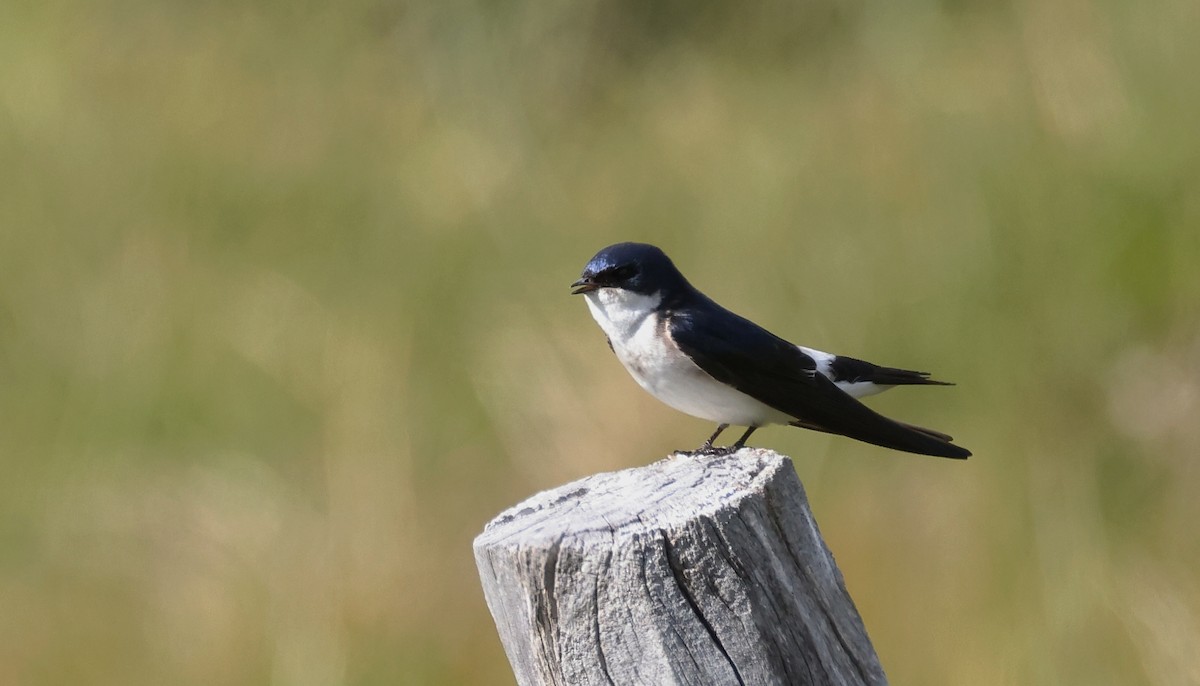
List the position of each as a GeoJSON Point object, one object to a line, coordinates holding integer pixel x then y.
{"type": "Point", "coordinates": [284, 315]}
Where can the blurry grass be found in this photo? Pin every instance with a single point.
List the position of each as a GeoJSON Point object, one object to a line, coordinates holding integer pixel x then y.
{"type": "Point", "coordinates": [283, 316]}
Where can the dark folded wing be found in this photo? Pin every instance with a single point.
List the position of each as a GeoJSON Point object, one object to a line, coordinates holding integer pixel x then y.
{"type": "Point", "coordinates": [737, 352]}
{"type": "Point", "coordinates": [853, 370]}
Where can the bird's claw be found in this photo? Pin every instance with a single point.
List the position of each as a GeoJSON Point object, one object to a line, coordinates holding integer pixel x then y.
{"type": "Point", "coordinates": [709, 451]}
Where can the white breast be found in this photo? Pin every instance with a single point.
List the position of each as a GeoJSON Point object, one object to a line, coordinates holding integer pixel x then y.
{"type": "Point", "coordinates": [643, 344]}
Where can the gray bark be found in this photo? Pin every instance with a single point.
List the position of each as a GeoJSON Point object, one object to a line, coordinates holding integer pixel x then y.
{"type": "Point", "coordinates": [692, 570]}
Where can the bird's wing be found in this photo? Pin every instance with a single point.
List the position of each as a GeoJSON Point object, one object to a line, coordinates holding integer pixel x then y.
{"type": "Point", "coordinates": [853, 370]}
{"type": "Point", "coordinates": [738, 352]}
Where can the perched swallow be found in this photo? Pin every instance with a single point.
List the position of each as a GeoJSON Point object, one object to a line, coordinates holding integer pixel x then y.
{"type": "Point", "coordinates": [702, 359]}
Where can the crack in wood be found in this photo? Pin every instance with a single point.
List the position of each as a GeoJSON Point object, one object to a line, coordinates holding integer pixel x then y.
{"type": "Point", "coordinates": [681, 581]}
{"type": "Point", "coordinates": [546, 610]}
{"type": "Point", "coordinates": [605, 565]}
{"type": "Point", "coordinates": [709, 571]}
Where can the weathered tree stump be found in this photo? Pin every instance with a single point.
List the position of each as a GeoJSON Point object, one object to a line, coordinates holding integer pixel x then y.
{"type": "Point", "coordinates": [692, 570]}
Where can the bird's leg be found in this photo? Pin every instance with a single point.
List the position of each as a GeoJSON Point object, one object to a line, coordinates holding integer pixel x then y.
{"type": "Point", "coordinates": [707, 447]}
{"type": "Point", "coordinates": [741, 442]}
{"type": "Point", "coordinates": [709, 442]}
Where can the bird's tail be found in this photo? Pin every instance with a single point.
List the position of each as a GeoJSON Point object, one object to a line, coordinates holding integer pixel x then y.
{"type": "Point", "coordinates": [928, 432]}
{"type": "Point", "coordinates": [906, 437]}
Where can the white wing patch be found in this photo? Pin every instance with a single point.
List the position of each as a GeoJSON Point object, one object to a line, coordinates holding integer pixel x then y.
{"type": "Point", "coordinates": [859, 389]}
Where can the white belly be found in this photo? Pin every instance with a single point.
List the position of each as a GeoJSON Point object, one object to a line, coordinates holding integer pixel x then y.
{"type": "Point", "coordinates": [643, 345]}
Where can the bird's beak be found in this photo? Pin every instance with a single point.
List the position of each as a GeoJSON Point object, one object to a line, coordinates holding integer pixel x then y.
{"type": "Point", "coordinates": [584, 285]}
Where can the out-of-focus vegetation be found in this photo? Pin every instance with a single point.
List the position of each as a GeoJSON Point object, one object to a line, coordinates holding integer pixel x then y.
{"type": "Point", "coordinates": [284, 315]}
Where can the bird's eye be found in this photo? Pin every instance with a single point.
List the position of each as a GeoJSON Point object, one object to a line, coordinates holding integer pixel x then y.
{"type": "Point", "coordinates": [626, 271]}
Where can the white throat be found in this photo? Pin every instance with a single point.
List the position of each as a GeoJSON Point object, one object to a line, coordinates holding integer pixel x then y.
{"type": "Point", "coordinates": [620, 313]}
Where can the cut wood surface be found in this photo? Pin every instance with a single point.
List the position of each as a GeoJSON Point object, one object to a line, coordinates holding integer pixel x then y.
{"type": "Point", "coordinates": [692, 570]}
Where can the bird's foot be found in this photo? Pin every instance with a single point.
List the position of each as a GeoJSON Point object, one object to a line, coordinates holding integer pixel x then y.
{"type": "Point", "coordinates": [706, 448]}
{"type": "Point", "coordinates": [708, 451]}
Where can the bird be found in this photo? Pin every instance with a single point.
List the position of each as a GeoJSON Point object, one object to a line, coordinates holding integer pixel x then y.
{"type": "Point", "coordinates": [702, 359]}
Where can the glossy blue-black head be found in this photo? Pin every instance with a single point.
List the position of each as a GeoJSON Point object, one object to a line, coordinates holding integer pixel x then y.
{"type": "Point", "coordinates": [637, 267]}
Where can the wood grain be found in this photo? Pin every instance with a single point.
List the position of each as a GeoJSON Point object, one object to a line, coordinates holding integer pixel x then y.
{"type": "Point", "coordinates": [691, 570]}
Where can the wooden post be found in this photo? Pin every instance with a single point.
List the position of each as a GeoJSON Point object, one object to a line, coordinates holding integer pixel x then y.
{"type": "Point", "coordinates": [692, 570]}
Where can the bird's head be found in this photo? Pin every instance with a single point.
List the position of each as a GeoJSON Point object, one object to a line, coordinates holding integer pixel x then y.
{"type": "Point", "coordinates": [635, 267]}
